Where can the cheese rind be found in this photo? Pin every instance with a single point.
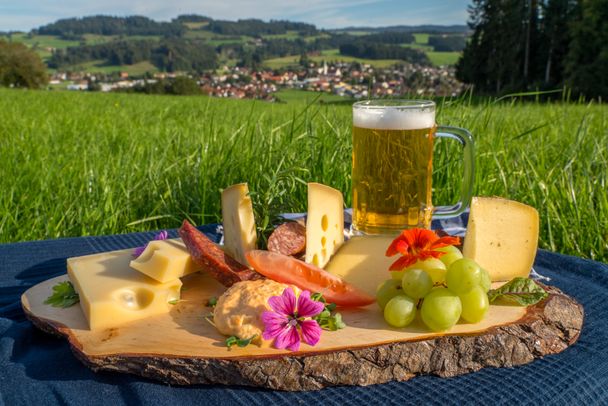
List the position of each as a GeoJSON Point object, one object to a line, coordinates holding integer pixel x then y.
{"type": "Point", "coordinates": [502, 237]}
{"type": "Point", "coordinates": [111, 293]}
{"type": "Point", "coordinates": [165, 261]}
{"type": "Point", "coordinates": [362, 262]}
{"type": "Point", "coordinates": [239, 222]}
{"type": "Point", "coordinates": [324, 224]}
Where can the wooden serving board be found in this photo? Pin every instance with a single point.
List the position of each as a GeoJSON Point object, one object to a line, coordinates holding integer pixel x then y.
{"type": "Point", "coordinates": [182, 347]}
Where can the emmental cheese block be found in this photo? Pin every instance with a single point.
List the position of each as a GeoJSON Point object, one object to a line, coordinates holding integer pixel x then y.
{"type": "Point", "coordinates": [239, 222]}
{"type": "Point", "coordinates": [112, 293]}
{"type": "Point", "coordinates": [502, 237]}
{"type": "Point", "coordinates": [362, 262]}
{"type": "Point", "coordinates": [165, 261]}
{"type": "Point", "coordinates": [324, 223]}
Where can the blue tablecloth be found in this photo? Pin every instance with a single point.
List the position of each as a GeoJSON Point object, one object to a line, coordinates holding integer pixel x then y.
{"type": "Point", "coordinates": [36, 368]}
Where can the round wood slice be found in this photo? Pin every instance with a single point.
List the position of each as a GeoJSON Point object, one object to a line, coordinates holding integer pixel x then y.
{"type": "Point", "coordinates": [182, 348]}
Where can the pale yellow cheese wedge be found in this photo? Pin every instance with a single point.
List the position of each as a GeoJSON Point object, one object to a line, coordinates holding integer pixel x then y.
{"type": "Point", "coordinates": [324, 224]}
{"type": "Point", "coordinates": [165, 261]}
{"type": "Point", "coordinates": [361, 261]}
{"type": "Point", "coordinates": [502, 237]}
{"type": "Point", "coordinates": [112, 293]}
{"type": "Point", "coordinates": [239, 222]}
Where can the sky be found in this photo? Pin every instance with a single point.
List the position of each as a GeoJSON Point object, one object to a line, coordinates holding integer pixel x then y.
{"type": "Point", "coordinates": [24, 15]}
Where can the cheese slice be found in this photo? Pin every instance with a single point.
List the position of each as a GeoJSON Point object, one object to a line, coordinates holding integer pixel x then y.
{"type": "Point", "coordinates": [502, 237]}
{"type": "Point", "coordinates": [165, 261]}
{"type": "Point", "coordinates": [239, 223]}
{"type": "Point", "coordinates": [324, 224]}
{"type": "Point", "coordinates": [361, 261]}
{"type": "Point", "coordinates": [111, 293]}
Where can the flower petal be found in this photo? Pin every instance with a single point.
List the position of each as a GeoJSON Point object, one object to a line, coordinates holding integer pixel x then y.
{"type": "Point", "coordinates": [288, 338]}
{"type": "Point", "coordinates": [445, 241]}
{"type": "Point", "coordinates": [273, 324]}
{"type": "Point", "coordinates": [399, 245]}
{"type": "Point", "coordinates": [311, 332]}
{"type": "Point", "coordinates": [308, 307]}
{"type": "Point", "coordinates": [403, 263]}
{"type": "Point", "coordinates": [284, 304]}
{"type": "Point", "coordinates": [163, 235]}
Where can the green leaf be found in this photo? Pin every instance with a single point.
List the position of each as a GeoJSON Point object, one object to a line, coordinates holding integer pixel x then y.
{"type": "Point", "coordinates": [230, 341]}
{"type": "Point", "coordinates": [241, 342]}
{"type": "Point", "coordinates": [521, 291]}
{"type": "Point", "coordinates": [64, 295]}
{"type": "Point", "coordinates": [212, 301]}
{"type": "Point", "coordinates": [326, 320]}
{"type": "Point", "coordinates": [173, 302]}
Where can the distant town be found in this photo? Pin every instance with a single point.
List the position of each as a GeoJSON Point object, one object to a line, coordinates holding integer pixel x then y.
{"type": "Point", "coordinates": [347, 79]}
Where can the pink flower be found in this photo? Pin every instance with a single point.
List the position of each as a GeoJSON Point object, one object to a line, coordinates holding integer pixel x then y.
{"type": "Point", "coordinates": [163, 235]}
{"type": "Point", "coordinates": [286, 322]}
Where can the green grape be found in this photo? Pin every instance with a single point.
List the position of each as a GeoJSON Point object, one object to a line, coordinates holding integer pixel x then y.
{"type": "Point", "coordinates": [475, 305]}
{"type": "Point", "coordinates": [485, 281]}
{"type": "Point", "coordinates": [452, 254]}
{"type": "Point", "coordinates": [416, 283]}
{"type": "Point", "coordinates": [400, 311]}
{"type": "Point", "coordinates": [397, 275]}
{"type": "Point", "coordinates": [441, 309]}
{"type": "Point", "coordinates": [387, 290]}
{"type": "Point", "coordinates": [463, 275]}
{"type": "Point", "coordinates": [434, 267]}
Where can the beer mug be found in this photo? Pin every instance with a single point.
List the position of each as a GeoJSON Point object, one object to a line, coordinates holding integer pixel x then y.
{"type": "Point", "coordinates": [393, 166]}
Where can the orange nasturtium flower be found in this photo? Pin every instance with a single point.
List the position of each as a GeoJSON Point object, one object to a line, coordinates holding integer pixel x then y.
{"type": "Point", "coordinates": [417, 244]}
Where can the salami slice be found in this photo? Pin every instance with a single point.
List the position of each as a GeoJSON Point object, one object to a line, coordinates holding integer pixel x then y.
{"type": "Point", "coordinates": [288, 239]}
{"type": "Point", "coordinates": [212, 259]}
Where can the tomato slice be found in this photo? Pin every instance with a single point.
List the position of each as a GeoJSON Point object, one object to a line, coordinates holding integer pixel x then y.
{"type": "Point", "coordinates": [285, 269]}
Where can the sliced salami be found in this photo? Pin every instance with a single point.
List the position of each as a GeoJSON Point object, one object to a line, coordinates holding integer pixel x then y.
{"type": "Point", "coordinates": [288, 239]}
{"type": "Point", "coordinates": [212, 259]}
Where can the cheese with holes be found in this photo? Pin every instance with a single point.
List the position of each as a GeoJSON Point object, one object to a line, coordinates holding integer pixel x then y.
{"type": "Point", "coordinates": [112, 293]}
{"type": "Point", "coordinates": [239, 223]}
{"type": "Point", "coordinates": [324, 224]}
{"type": "Point", "coordinates": [165, 261]}
{"type": "Point", "coordinates": [502, 237]}
{"type": "Point", "coordinates": [361, 261]}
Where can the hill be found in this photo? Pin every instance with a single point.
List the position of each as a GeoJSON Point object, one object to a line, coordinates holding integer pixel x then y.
{"type": "Point", "coordinates": [106, 43]}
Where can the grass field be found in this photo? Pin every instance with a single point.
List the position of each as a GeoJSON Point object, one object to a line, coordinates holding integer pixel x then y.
{"type": "Point", "coordinates": [329, 55]}
{"type": "Point", "coordinates": [89, 164]}
{"type": "Point", "coordinates": [304, 96]}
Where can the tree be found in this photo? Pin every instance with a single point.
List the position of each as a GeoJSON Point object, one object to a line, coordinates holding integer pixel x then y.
{"type": "Point", "coordinates": [183, 85]}
{"type": "Point", "coordinates": [587, 60]}
{"type": "Point", "coordinates": [21, 67]}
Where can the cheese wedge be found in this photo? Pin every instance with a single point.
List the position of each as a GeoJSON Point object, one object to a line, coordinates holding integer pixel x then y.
{"type": "Point", "coordinates": [239, 223]}
{"type": "Point", "coordinates": [324, 224]}
{"type": "Point", "coordinates": [165, 261]}
{"type": "Point", "coordinates": [111, 293]}
{"type": "Point", "coordinates": [361, 261]}
{"type": "Point", "coordinates": [502, 237]}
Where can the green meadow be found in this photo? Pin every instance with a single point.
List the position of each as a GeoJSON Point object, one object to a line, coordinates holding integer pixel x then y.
{"type": "Point", "coordinates": [90, 164]}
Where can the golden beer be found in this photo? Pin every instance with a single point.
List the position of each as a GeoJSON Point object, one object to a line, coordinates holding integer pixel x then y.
{"type": "Point", "coordinates": [391, 179]}
{"type": "Point", "coordinates": [393, 166]}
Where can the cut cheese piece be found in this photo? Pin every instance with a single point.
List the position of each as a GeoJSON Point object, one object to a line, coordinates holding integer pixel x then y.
{"type": "Point", "coordinates": [239, 223]}
{"type": "Point", "coordinates": [361, 261]}
{"type": "Point", "coordinates": [324, 224]}
{"type": "Point", "coordinates": [165, 261]}
{"type": "Point", "coordinates": [111, 293]}
{"type": "Point", "coordinates": [502, 237]}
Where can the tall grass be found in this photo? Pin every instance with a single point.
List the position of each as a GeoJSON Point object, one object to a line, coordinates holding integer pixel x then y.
{"type": "Point", "coordinates": [89, 164]}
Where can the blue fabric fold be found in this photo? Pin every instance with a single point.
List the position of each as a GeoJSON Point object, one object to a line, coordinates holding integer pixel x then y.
{"type": "Point", "coordinates": [36, 368]}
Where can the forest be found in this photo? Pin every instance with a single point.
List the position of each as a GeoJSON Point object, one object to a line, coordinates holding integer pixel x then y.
{"type": "Point", "coordinates": [550, 44]}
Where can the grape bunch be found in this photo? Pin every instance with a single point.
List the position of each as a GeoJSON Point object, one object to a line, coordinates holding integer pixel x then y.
{"type": "Point", "coordinates": [445, 290]}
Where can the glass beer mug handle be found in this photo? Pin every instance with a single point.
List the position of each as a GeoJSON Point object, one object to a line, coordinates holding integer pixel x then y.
{"type": "Point", "coordinates": [466, 191]}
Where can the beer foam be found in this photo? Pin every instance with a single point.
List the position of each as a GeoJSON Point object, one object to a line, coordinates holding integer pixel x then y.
{"type": "Point", "coordinates": [393, 118]}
